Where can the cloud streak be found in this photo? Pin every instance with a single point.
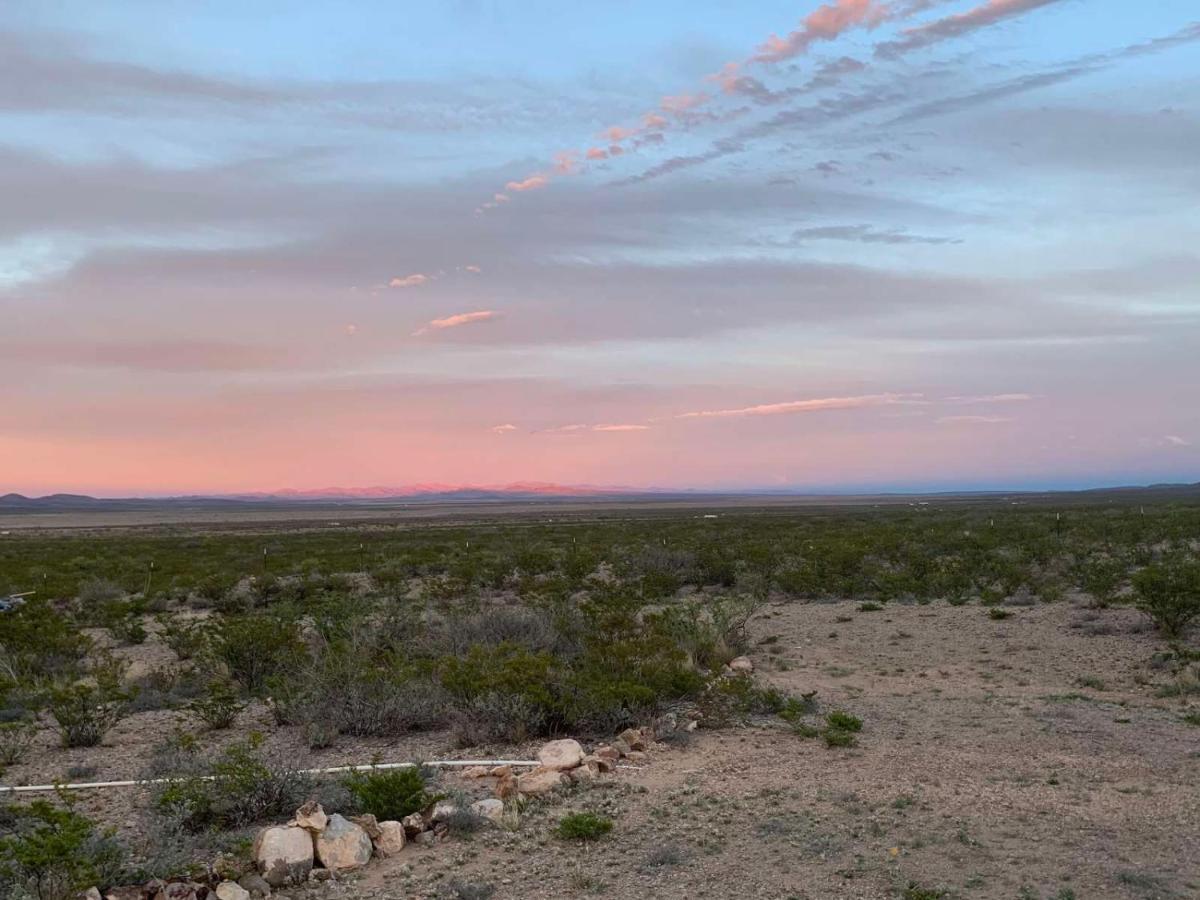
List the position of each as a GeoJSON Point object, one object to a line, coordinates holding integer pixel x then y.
{"type": "Point", "coordinates": [820, 404]}
{"type": "Point", "coordinates": [990, 13]}
{"type": "Point", "coordinates": [456, 321]}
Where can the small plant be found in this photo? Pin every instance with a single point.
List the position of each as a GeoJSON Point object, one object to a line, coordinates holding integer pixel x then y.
{"type": "Point", "coordinates": [915, 892]}
{"type": "Point", "coordinates": [1169, 593]}
{"type": "Point", "coordinates": [219, 707]}
{"type": "Point", "coordinates": [1091, 681]}
{"type": "Point", "coordinates": [52, 853]}
{"type": "Point", "coordinates": [998, 613]}
{"type": "Point", "coordinates": [836, 737]}
{"type": "Point", "coordinates": [843, 721]}
{"type": "Point", "coordinates": [583, 826]}
{"type": "Point", "coordinates": [86, 712]}
{"type": "Point", "coordinates": [870, 606]}
{"type": "Point", "coordinates": [390, 793]}
{"type": "Point", "coordinates": [1192, 718]}
{"type": "Point", "coordinates": [15, 740]}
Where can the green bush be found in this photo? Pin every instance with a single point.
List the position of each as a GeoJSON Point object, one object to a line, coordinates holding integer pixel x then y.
{"type": "Point", "coordinates": [1169, 592]}
{"type": "Point", "coordinates": [583, 826]}
{"type": "Point", "coordinates": [239, 787]}
{"type": "Point", "coordinates": [15, 740]}
{"type": "Point", "coordinates": [257, 647]}
{"type": "Point", "coordinates": [85, 712]}
{"type": "Point", "coordinates": [52, 853]}
{"type": "Point", "coordinates": [843, 720]}
{"type": "Point", "coordinates": [390, 793]}
{"type": "Point", "coordinates": [218, 707]}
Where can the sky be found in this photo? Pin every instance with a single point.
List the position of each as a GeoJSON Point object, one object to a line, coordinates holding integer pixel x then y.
{"type": "Point", "coordinates": [713, 244]}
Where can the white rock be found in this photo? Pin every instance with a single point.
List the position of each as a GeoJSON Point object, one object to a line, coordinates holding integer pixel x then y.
{"type": "Point", "coordinates": [442, 811]}
{"type": "Point", "coordinates": [343, 845]}
{"type": "Point", "coordinates": [391, 839]}
{"type": "Point", "coordinates": [231, 890]}
{"type": "Point", "coordinates": [283, 854]}
{"type": "Point", "coordinates": [489, 809]}
{"type": "Point", "coordinates": [561, 755]}
{"type": "Point", "coordinates": [741, 664]}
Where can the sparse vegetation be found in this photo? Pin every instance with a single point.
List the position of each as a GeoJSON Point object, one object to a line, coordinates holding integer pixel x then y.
{"type": "Point", "coordinates": [583, 826]}
{"type": "Point", "coordinates": [391, 793]}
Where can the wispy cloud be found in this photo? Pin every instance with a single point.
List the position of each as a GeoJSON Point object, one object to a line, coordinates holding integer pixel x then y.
{"type": "Point", "coordinates": [1174, 440]}
{"type": "Point", "coordinates": [410, 281]}
{"type": "Point", "coordinates": [620, 427]}
{"type": "Point", "coordinates": [803, 406]}
{"type": "Point", "coordinates": [503, 429]}
{"type": "Point", "coordinates": [866, 234]}
{"type": "Point", "coordinates": [456, 321]}
{"type": "Point", "coordinates": [971, 420]}
{"type": "Point", "coordinates": [826, 23]}
{"type": "Point", "coordinates": [989, 13]}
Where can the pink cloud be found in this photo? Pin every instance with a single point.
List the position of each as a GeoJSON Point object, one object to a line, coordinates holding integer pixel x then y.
{"type": "Point", "coordinates": [681, 103]}
{"type": "Point", "coordinates": [566, 162]}
{"type": "Point", "coordinates": [804, 406]}
{"type": "Point", "coordinates": [991, 398]}
{"type": "Point", "coordinates": [474, 270]}
{"type": "Point", "coordinates": [409, 281]}
{"type": "Point", "coordinates": [503, 429]}
{"type": "Point", "coordinates": [653, 121]}
{"type": "Point", "coordinates": [597, 153]}
{"type": "Point", "coordinates": [620, 428]}
{"type": "Point", "coordinates": [456, 321]}
{"type": "Point", "coordinates": [532, 183]}
{"type": "Point", "coordinates": [972, 420]}
{"type": "Point", "coordinates": [617, 133]}
{"type": "Point", "coordinates": [989, 13]}
{"type": "Point", "coordinates": [825, 23]}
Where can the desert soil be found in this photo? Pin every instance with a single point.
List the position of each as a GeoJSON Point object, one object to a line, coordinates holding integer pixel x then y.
{"type": "Point", "coordinates": [1027, 754]}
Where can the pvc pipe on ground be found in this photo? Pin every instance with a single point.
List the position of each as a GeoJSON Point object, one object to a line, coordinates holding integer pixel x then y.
{"type": "Point", "coordinates": [332, 770]}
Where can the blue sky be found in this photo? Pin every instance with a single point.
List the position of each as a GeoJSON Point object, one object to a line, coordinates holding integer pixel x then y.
{"type": "Point", "coordinates": [908, 242]}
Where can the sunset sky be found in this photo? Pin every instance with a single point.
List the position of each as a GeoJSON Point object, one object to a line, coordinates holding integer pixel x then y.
{"type": "Point", "coordinates": [875, 244]}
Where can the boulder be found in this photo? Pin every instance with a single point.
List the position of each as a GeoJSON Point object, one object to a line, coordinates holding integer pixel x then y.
{"type": "Point", "coordinates": [425, 839]}
{"type": "Point", "coordinates": [634, 738]}
{"type": "Point", "coordinates": [391, 839]}
{"type": "Point", "coordinates": [475, 772]}
{"type": "Point", "coordinates": [540, 781]}
{"type": "Point", "coordinates": [367, 823]}
{"type": "Point", "coordinates": [413, 824]}
{"type": "Point", "coordinates": [126, 892]}
{"type": "Point", "coordinates": [283, 854]}
{"type": "Point", "coordinates": [601, 763]}
{"type": "Point", "coordinates": [621, 747]}
{"type": "Point", "coordinates": [489, 809]}
{"type": "Point", "coordinates": [612, 754]}
{"type": "Point", "coordinates": [92, 893]}
{"type": "Point", "coordinates": [231, 890]}
{"type": "Point", "coordinates": [311, 816]}
{"type": "Point", "coordinates": [342, 846]}
{"type": "Point", "coordinates": [443, 811]}
{"type": "Point", "coordinates": [500, 771]}
{"type": "Point", "coordinates": [561, 755]}
{"type": "Point", "coordinates": [255, 884]}
{"type": "Point", "coordinates": [506, 786]}
{"type": "Point", "coordinates": [742, 665]}
{"type": "Point", "coordinates": [636, 756]}
{"type": "Point", "coordinates": [586, 772]}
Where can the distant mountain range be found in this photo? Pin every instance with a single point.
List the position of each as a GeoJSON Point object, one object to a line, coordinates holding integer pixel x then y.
{"type": "Point", "coordinates": [519, 491]}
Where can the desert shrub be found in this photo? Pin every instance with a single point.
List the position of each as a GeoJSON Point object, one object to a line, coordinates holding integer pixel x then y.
{"type": "Point", "coordinates": [730, 700]}
{"type": "Point", "coordinates": [86, 711]}
{"type": "Point", "coordinates": [187, 637]}
{"type": "Point", "coordinates": [843, 720]}
{"type": "Point", "coordinates": [38, 642]}
{"type": "Point", "coordinates": [390, 793]}
{"type": "Point", "coordinates": [1169, 593]}
{"type": "Point", "coordinates": [257, 647]}
{"type": "Point", "coordinates": [218, 707]}
{"type": "Point", "coordinates": [582, 826]}
{"type": "Point", "coordinates": [98, 591]}
{"type": "Point", "coordinates": [15, 740]}
{"type": "Point", "coordinates": [166, 688]}
{"type": "Point", "coordinates": [498, 718]}
{"type": "Point", "coordinates": [51, 853]}
{"type": "Point", "coordinates": [239, 787]}
{"type": "Point", "coordinates": [914, 891]}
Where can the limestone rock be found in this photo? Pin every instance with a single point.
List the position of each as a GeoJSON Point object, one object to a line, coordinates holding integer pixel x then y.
{"type": "Point", "coordinates": [621, 747]}
{"type": "Point", "coordinates": [255, 884]}
{"type": "Point", "coordinates": [561, 755]}
{"type": "Point", "coordinates": [742, 665]}
{"type": "Point", "coordinates": [367, 823]}
{"type": "Point", "coordinates": [500, 771]}
{"type": "Point", "coordinates": [489, 809]}
{"type": "Point", "coordinates": [540, 781]}
{"type": "Point", "coordinates": [391, 839]}
{"type": "Point", "coordinates": [311, 816]}
{"type": "Point", "coordinates": [92, 893]}
{"type": "Point", "coordinates": [413, 824]}
{"type": "Point", "coordinates": [283, 854]}
{"type": "Point", "coordinates": [634, 738]}
{"type": "Point", "coordinates": [475, 772]}
{"type": "Point", "coordinates": [343, 846]}
{"type": "Point", "coordinates": [231, 890]}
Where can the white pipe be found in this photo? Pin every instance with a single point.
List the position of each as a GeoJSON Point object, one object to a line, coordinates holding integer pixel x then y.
{"type": "Point", "coordinates": [332, 770]}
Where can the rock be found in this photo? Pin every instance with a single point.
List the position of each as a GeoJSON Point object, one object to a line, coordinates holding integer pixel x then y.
{"type": "Point", "coordinates": [636, 756]}
{"type": "Point", "coordinates": [443, 811]}
{"type": "Point", "coordinates": [391, 839]}
{"type": "Point", "coordinates": [602, 763]}
{"type": "Point", "coordinates": [425, 839]}
{"type": "Point", "coordinates": [742, 665]}
{"type": "Point", "coordinates": [320, 875]}
{"type": "Point", "coordinates": [621, 747]}
{"type": "Point", "coordinates": [506, 786]}
{"type": "Point", "coordinates": [612, 754]}
{"type": "Point", "coordinates": [476, 772]}
{"type": "Point", "coordinates": [367, 823]}
{"type": "Point", "coordinates": [634, 738]}
{"type": "Point", "coordinates": [283, 854]}
{"type": "Point", "coordinates": [500, 771]}
{"type": "Point", "coordinates": [561, 755]}
{"type": "Point", "coordinates": [182, 890]}
{"type": "Point", "coordinates": [342, 846]}
{"type": "Point", "coordinates": [231, 890]}
{"type": "Point", "coordinates": [413, 824]}
{"type": "Point", "coordinates": [255, 884]}
{"type": "Point", "coordinates": [92, 893]}
{"type": "Point", "coordinates": [540, 781]}
{"type": "Point", "coordinates": [691, 725]}
{"type": "Point", "coordinates": [489, 809]}
{"type": "Point", "coordinates": [126, 892]}
{"type": "Point", "coordinates": [586, 772]}
{"type": "Point", "coordinates": [311, 816]}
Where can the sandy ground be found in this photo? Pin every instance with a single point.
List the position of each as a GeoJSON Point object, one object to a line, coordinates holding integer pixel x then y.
{"type": "Point", "coordinates": [996, 756]}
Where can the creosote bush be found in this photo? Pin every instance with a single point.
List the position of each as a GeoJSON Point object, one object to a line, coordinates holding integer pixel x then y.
{"type": "Point", "coordinates": [583, 826]}
{"type": "Point", "coordinates": [51, 852]}
{"type": "Point", "coordinates": [390, 793]}
{"type": "Point", "coordinates": [86, 711]}
{"type": "Point", "coordinates": [1169, 592]}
